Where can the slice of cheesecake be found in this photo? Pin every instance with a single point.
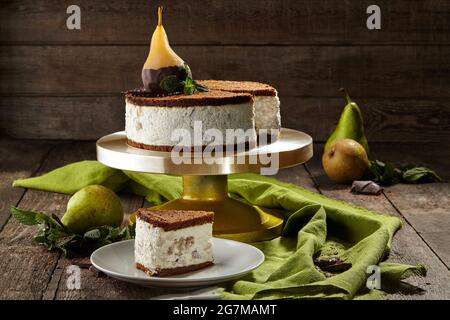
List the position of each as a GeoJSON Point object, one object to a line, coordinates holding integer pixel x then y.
{"type": "Point", "coordinates": [155, 122]}
{"type": "Point", "coordinates": [267, 104]}
{"type": "Point", "coordinates": [170, 242]}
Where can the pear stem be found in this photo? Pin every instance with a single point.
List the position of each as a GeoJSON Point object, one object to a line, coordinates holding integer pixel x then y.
{"type": "Point", "coordinates": [160, 15]}
{"type": "Point", "coordinates": [347, 97]}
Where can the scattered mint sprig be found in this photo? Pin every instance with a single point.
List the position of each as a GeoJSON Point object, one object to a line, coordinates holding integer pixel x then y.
{"type": "Point", "coordinates": [386, 173]}
{"type": "Point", "coordinates": [188, 86]}
{"type": "Point", "coordinates": [55, 236]}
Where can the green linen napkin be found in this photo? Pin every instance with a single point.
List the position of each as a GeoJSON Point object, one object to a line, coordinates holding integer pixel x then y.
{"type": "Point", "coordinates": [316, 226]}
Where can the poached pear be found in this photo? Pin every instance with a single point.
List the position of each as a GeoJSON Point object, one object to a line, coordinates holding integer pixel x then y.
{"type": "Point", "coordinates": [350, 125]}
{"type": "Point", "coordinates": [92, 206]}
{"type": "Point", "coordinates": [345, 160]}
{"type": "Point", "coordinates": [162, 61]}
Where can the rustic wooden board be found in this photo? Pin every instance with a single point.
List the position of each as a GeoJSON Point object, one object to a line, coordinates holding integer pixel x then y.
{"type": "Point", "coordinates": [18, 159]}
{"type": "Point", "coordinates": [434, 155]}
{"type": "Point", "coordinates": [426, 207]}
{"type": "Point", "coordinates": [79, 118]}
{"type": "Point", "coordinates": [408, 247]}
{"type": "Point", "coordinates": [34, 273]}
{"type": "Point", "coordinates": [298, 176]}
{"type": "Point", "coordinates": [305, 71]}
{"type": "Point", "coordinates": [92, 286]}
{"type": "Point", "coordinates": [31, 272]}
{"type": "Point", "coordinates": [227, 22]}
{"type": "Point", "coordinates": [33, 266]}
{"type": "Point", "coordinates": [388, 120]}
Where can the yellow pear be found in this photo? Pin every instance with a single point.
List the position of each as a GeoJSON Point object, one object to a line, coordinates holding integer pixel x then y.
{"type": "Point", "coordinates": [92, 206]}
{"type": "Point", "coordinates": [162, 61]}
{"type": "Point", "coordinates": [345, 160]}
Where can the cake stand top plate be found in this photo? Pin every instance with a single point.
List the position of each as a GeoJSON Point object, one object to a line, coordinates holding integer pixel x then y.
{"type": "Point", "coordinates": [292, 148]}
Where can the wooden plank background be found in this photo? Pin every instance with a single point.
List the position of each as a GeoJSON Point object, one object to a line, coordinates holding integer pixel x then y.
{"type": "Point", "coordinates": [62, 84]}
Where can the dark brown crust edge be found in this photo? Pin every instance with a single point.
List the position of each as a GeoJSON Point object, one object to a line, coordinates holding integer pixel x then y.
{"type": "Point", "coordinates": [210, 98]}
{"type": "Point", "coordinates": [191, 221]}
{"type": "Point", "coordinates": [254, 88]}
{"type": "Point", "coordinates": [174, 271]}
{"type": "Point", "coordinates": [144, 146]}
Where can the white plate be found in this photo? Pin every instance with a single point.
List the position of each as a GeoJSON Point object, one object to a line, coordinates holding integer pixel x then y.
{"type": "Point", "coordinates": [232, 260]}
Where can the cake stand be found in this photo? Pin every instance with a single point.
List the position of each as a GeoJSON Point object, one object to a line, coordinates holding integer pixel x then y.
{"type": "Point", "coordinates": [205, 183]}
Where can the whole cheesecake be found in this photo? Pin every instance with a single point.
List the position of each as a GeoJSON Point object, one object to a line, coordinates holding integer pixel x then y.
{"type": "Point", "coordinates": [152, 122]}
{"type": "Point", "coordinates": [267, 104]}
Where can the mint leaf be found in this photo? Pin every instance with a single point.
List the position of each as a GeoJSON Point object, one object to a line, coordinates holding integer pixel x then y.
{"type": "Point", "coordinates": [187, 86]}
{"type": "Point", "coordinates": [92, 234]}
{"type": "Point", "coordinates": [387, 174]}
{"type": "Point", "coordinates": [55, 236]}
{"type": "Point", "coordinates": [28, 218]}
{"type": "Point", "coordinates": [200, 87]}
{"type": "Point", "coordinates": [172, 84]}
{"type": "Point", "coordinates": [191, 86]}
{"type": "Point", "coordinates": [420, 174]}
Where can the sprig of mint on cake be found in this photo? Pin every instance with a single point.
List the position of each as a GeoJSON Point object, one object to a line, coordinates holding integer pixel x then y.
{"type": "Point", "coordinates": [164, 69]}
{"type": "Point", "coordinates": [173, 84]}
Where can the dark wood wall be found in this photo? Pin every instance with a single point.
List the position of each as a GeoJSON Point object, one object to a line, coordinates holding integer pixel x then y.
{"type": "Point", "coordinates": [61, 84]}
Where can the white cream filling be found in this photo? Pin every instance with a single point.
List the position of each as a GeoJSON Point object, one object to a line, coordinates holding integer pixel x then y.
{"type": "Point", "coordinates": [154, 125]}
{"type": "Point", "coordinates": [267, 112]}
{"type": "Point", "coordinates": [156, 248]}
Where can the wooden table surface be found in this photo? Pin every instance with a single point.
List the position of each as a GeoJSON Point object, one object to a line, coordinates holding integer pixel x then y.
{"type": "Point", "coordinates": [28, 271]}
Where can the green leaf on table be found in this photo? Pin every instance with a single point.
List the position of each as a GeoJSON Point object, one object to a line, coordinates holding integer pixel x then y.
{"type": "Point", "coordinates": [28, 218]}
{"type": "Point", "coordinates": [92, 234]}
{"type": "Point", "coordinates": [387, 174]}
{"type": "Point", "coordinates": [55, 236]}
{"type": "Point", "coordinates": [420, 174]}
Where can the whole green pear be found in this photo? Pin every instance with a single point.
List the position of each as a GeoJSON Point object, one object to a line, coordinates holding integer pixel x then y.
{"type": "Point", "coordinates": [350, 125]}
{"type": "Point", "coordinates": [92, 206]}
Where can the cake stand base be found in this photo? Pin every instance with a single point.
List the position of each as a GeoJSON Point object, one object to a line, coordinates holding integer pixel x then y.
{"type": "Point", "coordinates": [233, 219]}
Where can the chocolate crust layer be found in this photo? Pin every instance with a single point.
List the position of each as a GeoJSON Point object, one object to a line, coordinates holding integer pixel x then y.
{"type": "Point", "coordinates": [175, 219]}
{"type": "Point", "coordinates": [144, 146]}
{"type": "Point", "coordinates": [210, 98]}
{"type": "Point", "coordinates": [173, 271]}
{"type": "Point", "coordinates": [250, 87]}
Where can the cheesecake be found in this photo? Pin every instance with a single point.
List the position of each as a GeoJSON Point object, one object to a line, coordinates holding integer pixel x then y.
{"type": "Point", "coordinates": [267, 103]}
{"type": "Point", "coordinates": [170, 242]}
{"type": "Point", "coordinates": [160, 123]}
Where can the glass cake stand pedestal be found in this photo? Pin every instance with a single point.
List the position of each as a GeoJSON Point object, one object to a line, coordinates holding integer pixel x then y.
{"type": "Point", "coordinates": [205, 183]}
